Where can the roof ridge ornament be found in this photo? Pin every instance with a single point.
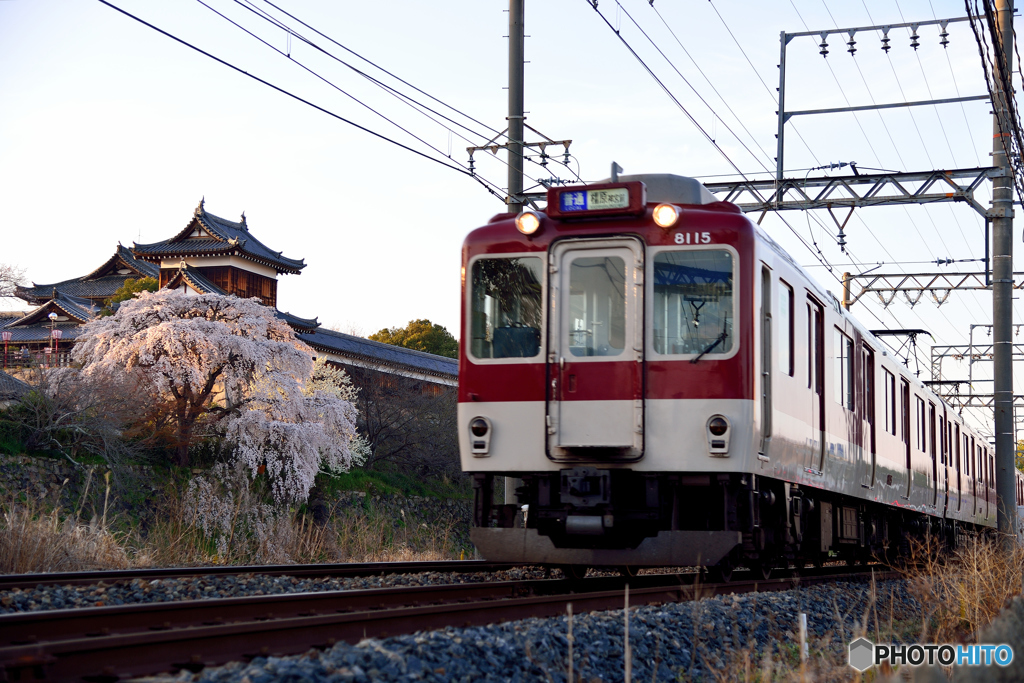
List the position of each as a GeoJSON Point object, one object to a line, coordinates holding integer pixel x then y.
{"type": "Point", "coordinates": [202, 206]}
{"type": "Point", "coordinates": [244, 226]}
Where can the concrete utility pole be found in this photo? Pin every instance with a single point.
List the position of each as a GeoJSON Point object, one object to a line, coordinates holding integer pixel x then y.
{"type": "Point", "coordinates": [516, 65]}
{"type": "Point", "coordinates": [1002, 279]}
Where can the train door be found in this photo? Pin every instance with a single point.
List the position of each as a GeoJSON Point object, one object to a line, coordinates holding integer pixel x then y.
{"type": "Point", "coordinates": [931, 451]}
{"type": "Point", "coordinates": [959, 471]}
{"type": "Point", "coordinates": [974, 476]}
{"type": "Point", "coordinates": [816, 382]}
{"type": "Point", "coordinates": [766, 359]}
{"type": "Point", "coordinates": [944, 460]}
{"type": "Point", "coordinates": [596, 399]}
{"type": "Point", "coordinates": [868, 449]}
{"type": "Point", "coordinates": [905, 421]}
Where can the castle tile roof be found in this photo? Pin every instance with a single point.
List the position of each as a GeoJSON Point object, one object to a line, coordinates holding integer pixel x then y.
{"type": "Point", "coordinates": [217, 237]}
{"type": "Point", "coordinates": [192, 277]}
{"type": "Point", "coordinates": [359, 348]}
{"type": "Point", "coordinates": [98, 285]}
{"type": "Point", "coordinates": [12, 388]}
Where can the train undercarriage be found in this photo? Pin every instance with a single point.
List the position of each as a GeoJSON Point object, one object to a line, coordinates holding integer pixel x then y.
{"type": "Point", "coordinates": [586, 516]}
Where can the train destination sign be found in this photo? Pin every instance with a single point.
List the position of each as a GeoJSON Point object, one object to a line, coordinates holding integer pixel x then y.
{"type": "Point", "coordinates": [597, 200]}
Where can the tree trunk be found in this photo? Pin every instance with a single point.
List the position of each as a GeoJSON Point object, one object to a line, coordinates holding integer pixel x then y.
{"type": "Point", "coordinates": [185, 423]}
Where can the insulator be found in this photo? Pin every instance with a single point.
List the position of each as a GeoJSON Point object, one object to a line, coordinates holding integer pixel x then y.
{"type": "Point", "coordinates": [824, 49]}
{"type": "Point", "coordinates": [841, 241]}
{"type": "Point", "coordinates": [885, 44]}
{"type": "Point", "coordinates": [944, 38]}
{"type": "Point", "coordinates": [914, 40]}
{"type": "Point", "coordinates": [853, 46]}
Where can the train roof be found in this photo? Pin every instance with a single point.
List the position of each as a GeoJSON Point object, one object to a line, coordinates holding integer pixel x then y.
{"type": "Point", "coordinates": [670, 188]}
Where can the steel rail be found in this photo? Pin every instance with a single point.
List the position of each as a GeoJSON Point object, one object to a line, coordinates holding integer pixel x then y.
{"type": "Point", "coordinates": [11, 581]}
{"type": "Point", "coordinates": [114, 656]}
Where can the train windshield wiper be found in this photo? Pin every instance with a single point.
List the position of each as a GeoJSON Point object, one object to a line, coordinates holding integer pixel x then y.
{"type": "Point", "coordinates": [711, 347]}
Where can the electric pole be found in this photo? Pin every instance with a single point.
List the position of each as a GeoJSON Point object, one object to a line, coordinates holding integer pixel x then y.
{"type": "Point", "coordinates": [516, 64]}
{"type": "Point", "coordinates": [1002, 278]}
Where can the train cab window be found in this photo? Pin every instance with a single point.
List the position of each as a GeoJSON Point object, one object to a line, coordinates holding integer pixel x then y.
{"type": "Point", "coordinates": [693, 307]}
{"type": "Point", "coordinates": [597, 306]}
{"type": "Point", "coordinates": [843, 374]}
{"type": "Point", "coordinates": [786, 329]}
{"type": "Point", "coordinates": [507, 304]}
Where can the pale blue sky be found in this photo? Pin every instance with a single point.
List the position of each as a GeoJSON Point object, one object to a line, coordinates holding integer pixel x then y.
{"type": "Point", "coordinates": [111, 132]}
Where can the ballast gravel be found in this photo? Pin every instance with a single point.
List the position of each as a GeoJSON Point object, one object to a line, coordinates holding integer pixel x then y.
{"type": "Point", "coordinates": [699, 640]}
{"type": "Point", "coordinates": [230, 586]}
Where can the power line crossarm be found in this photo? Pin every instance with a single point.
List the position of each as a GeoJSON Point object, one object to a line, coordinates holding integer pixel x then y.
{"type": "Point", "coordinates": [775, 195]}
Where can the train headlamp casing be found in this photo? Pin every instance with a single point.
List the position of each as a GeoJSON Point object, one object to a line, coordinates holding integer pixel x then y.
{"type": "Point", "coordinates": [480, 430]}
{"type": "Point", "coordinates": [528, 222]}
{"type": "Point", "coordinates": [718, 432]}
{"type": "Point", "coordinates": [665, 215]}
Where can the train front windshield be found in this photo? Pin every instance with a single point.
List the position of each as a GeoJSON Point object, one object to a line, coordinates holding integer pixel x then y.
{"type": "Point", "coordinates": [507, 297]}
{"type": "Point", "coordinates": [693, 302]}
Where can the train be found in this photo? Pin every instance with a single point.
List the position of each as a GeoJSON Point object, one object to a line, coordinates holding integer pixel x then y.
{"type": "Point", "coordinates": [654, 381]}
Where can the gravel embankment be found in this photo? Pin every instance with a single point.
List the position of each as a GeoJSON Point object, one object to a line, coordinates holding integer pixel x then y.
{"type": "Point", "coordinates": [676, 641]}
{"type": "Point", "coordinates": [209, 587]}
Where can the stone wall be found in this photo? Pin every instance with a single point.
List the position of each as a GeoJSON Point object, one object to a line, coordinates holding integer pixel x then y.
{"type": "Point", "coordinates": [56, 482]}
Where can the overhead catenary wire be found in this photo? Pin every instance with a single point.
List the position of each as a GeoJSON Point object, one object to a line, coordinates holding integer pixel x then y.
{"type": "Point", "coordinates": [817, 254]}
{"type": "Point", "coordinates": [298, 98]}
{"type": "Point", "coordinates": [416, 105]}
{"type": "Point", "coordinates": [758, 74]}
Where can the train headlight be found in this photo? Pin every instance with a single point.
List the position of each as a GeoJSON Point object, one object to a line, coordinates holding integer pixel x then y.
{"type": "Point", "coordinates": [718, 436]}
{"type": "Point", "coordinates": [480, 430]}
{"type": "Point", "coordinates": [717, 426]}
{"type": "Point", "coordinates": [666, 215]}
{"type": "Point", "coordinates": [528, 222]}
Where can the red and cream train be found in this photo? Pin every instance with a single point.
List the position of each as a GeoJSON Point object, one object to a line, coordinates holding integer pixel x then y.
{"type": "Point", "coordinates": [661, 384]}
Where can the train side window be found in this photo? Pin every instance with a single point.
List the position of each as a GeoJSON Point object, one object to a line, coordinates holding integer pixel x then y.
{"type": "Point", "coordinates": [974, 460]}
{"type": "Point", "coordinates": [693, 307]}
{"type": "Point", "coordinates": [890, 401]}
{"type": "Point", "coordinates": [956, 444]}
{"type": "Point", "coordinates": [932, 436]}
{"type": "Point", "coordinates": [922, 429]}
{"type": "Point", "coordinates": [905, 408]}
{"type": "Point", "coordinates": [507, 307]}
{"type": "Point", "coordinates": [785, 328]}
{"type": "Point", "coordinates": [843, 374]}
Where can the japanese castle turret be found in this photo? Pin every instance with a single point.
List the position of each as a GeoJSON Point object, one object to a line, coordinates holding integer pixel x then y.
{"type": "Point", "coordinates": [223, 254]}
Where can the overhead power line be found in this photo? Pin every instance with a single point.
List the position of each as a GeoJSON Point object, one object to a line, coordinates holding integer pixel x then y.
{"type": "Point", "coordinates": [283, 91]}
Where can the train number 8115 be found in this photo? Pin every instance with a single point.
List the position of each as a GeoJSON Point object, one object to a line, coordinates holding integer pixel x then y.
{"type": "Point", "coordinates": [693, 238]}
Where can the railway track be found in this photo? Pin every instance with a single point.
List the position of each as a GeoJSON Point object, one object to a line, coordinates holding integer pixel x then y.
{"type": "Point", "coordinates": [12, 581]}
{"type": "Point", "coordinates": [107, 644]}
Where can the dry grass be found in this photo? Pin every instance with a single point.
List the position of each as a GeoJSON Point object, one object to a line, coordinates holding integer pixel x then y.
{"type": "Point", "coordinates": [35, 538]}
{"type": "Point", "coordinates": [961, 593]}
{"type": "Point", "coordinates": [38, 536]}
{"type": "Point", "coordinates": [965, 590]}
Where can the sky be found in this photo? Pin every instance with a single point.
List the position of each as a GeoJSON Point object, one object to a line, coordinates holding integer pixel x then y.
{"type": "Point", "coordinates": [112, 132]}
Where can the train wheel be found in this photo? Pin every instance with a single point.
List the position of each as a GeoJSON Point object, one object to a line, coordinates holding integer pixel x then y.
{"type": "Point", "coordinates": [574, 572]}
{"type": "Point", "coordinates": [722, 571]}
{"type": "Point", "coordinates": [761, 570]}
